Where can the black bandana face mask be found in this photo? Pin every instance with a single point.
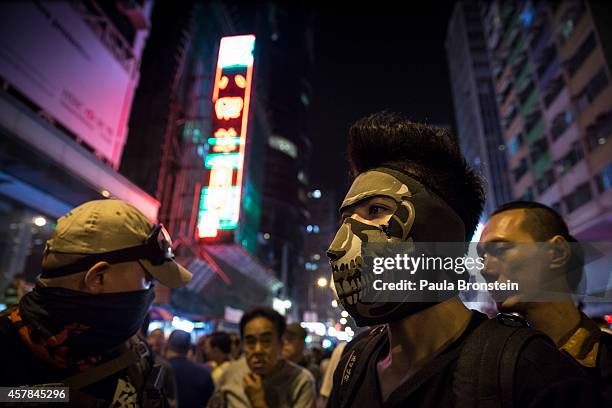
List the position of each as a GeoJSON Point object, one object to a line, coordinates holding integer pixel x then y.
{"type": "Point", "coordinates": [97, 323]}
{"type": "Point", "coordinates": [420, 216]}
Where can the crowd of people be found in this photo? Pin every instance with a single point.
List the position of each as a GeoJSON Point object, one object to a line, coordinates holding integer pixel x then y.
{"type": "Point", "coordinates": [83, 325]}
{"type": "Point", "coordinates": [272, 367]}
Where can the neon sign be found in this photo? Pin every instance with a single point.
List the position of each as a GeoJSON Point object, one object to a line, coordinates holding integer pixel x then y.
{"type": "Point", "coordinates": [224, 159]}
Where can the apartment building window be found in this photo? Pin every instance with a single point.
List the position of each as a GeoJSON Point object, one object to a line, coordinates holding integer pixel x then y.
{"type": "Point", "coordinates": [528, 196]}
{"type": "Point", "coordinates": [506, 90]}
{"type": "Point", "coordinates": [539, 30]}
{"type": "Point", "coordinates": [497, 69]}
{"type": "Point", "coordinates": [553, 90]}
{"type": "Point", "coordinates": [570, 19]}
{"type": "Point", "coordinates": [532, 120]}
{"type": "Point", "coordinates": [525, 93]}
{"type": "Point", "coordinates": [507, 120]}
{"type": "Point", "coordinates": [538, 149]}
{"type": "Point", "coordinates": [570, 159]}
{"type": "Point", "coordinates": [502, 62]}
{"type": "Point", "coordinates": [557, 206]}
{"type": "Point", "coordinates": [580, 196]}
{"type": "Point", "coordinates": [598, 132]}
{"type": "Point", "coordinates": [560, 123]}
{"type": "Point", "coordinates": [591, 90]}
{"type": "Point", "coordinates": [515, 143]}
{"type": "Point", "coordinates": [604, 179]}
{"type": "Point", "coordinates": [583, 52]}
{"type": "Point", "coordinates": [547, 180]}
{"type": "Point", "coordinates": [519, 171]}
{"type": "Point", "coordinates": [548, 56]}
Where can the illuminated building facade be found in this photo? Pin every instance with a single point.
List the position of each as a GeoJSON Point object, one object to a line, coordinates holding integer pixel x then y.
{"type": "Point", "coordinates": [551, 63]}
{"type": "Point", "coordinates": [68, 73]}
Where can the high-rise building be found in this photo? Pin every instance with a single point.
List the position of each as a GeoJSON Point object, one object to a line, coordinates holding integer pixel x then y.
{"type": "Point", "coordinates": [287, 35]}
{"type": "Point", "coordinates": [551, 63]}
{"type": "Point", "coordinates": [476, 112]}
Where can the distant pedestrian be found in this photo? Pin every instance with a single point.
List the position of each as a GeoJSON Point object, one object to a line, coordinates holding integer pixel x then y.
{"type": "Point", "coordinates": [193, 382]}
{"type": "Point", "coordinates": [294, 350]}
{"type": "Point", "coordinates": [218, 348]}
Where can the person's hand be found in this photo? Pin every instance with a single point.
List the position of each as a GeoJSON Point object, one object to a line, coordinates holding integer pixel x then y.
{"type": "Point", "coordinates": [253, 387]}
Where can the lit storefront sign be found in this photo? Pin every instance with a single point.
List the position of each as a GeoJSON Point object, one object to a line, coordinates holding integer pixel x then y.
{"type": "Point", "coordinates": [224, 160]}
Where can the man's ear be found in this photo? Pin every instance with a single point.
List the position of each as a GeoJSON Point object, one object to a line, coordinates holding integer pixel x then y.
{"type": "Point", "coordinates": [561, 252]}
{"type": "Point", "coordinates": [94, 277]}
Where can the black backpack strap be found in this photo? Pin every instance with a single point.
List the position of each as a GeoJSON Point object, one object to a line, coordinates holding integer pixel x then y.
{"type": "Point", "coordinates": [133, 357]}
{"type": "Point", "coordinates": [484, 377]}
{"type": "Point", "coordinates": [102, 371]}
{"type": "Point", "coordinates": [353, 365]}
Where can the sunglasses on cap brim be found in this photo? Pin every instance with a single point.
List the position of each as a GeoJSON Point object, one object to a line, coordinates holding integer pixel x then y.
{"type": "Point", "coordinates": [157, 249]}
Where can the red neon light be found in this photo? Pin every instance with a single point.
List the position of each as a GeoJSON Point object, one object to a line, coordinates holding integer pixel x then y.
{"type": "Point", "coordinates": [217, 82]}
{"type": "Point", "coordinates": [224, 148]}
{"type": "Point", "coordinates": [223, 83]}
{"type": "Point", "coordinates": [229, 107]}
{"type": "Point", "coordinates": [207, 234]}
{"type": "Point", "coordinates": [240, 81]}
{"type": "Point", "coordinates": [245, 121]}
{"type": "Point", "coordinates": [231, 132]}
{"type": "Point", "coordinates": [608, 318]}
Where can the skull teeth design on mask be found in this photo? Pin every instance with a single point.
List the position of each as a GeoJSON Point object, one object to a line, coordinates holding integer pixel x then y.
{"type": "Point", "coordinates": [349, 284]}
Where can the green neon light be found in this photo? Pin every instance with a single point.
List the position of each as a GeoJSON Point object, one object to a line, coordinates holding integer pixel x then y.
{"type": "Point", "coordinates": [232, 160]}
{"type": "Point", "coordinates": [213, 141]}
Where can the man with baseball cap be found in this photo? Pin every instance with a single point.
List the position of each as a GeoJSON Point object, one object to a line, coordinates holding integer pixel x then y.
{"type": "Point", "coordinates": [77, 326]}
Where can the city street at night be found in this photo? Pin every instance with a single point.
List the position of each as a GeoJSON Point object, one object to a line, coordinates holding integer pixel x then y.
{"type": "Point", "coordinates": [276, 204]}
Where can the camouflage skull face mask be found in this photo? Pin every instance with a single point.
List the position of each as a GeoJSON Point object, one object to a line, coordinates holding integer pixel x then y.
{"type": "Point", "coordinates": [420, 216]}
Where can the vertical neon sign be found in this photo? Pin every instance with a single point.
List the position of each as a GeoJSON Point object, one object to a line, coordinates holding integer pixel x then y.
{"type": "Point", "coordinates": [224, 159]}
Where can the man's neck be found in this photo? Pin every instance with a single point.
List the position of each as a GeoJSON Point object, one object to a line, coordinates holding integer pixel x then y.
{"type": "Point", "coordinates": [558, 320]}
{"type": "Point", "coordinates": [415, 340]}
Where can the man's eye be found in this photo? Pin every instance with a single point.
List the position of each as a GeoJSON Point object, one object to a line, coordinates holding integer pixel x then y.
{"type": "Point", "coordinates": [377, 210]}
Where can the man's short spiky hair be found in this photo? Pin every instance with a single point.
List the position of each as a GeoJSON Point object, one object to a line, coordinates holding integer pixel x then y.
{"type": "Point", "coordinates": [429, 154]}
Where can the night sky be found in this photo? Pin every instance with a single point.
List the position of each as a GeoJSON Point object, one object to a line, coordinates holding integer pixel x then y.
{"type": "Point", "coordinates": [371, 58]}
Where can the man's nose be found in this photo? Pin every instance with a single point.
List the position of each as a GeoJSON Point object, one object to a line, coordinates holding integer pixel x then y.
{"type": "Point", "coordinates": [334, 255]}
{"type": "Point", "coordinates": [488, 272]}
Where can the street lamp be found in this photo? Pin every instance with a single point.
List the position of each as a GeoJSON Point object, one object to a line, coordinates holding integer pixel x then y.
{"type": "Point", "coordinates": [322, 282]}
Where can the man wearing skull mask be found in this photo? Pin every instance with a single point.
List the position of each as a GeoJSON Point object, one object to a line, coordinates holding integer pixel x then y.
{"type": "Point", "coordinates": [413, 185]}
